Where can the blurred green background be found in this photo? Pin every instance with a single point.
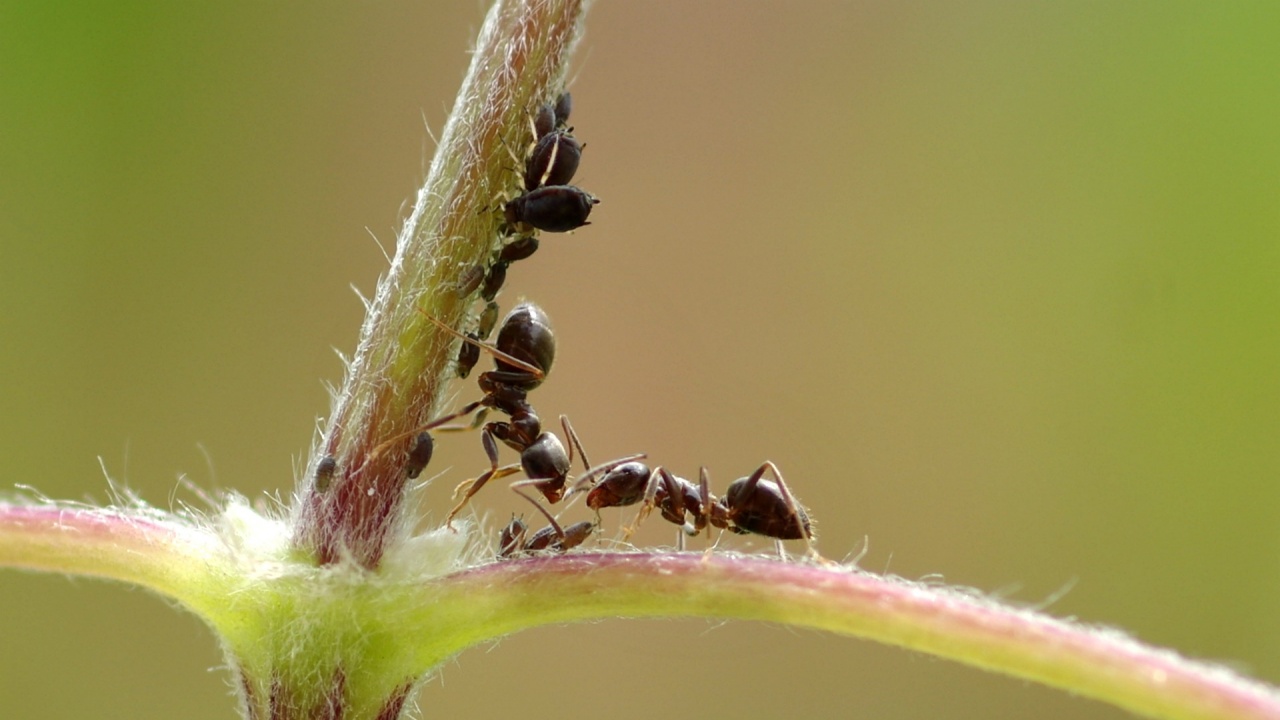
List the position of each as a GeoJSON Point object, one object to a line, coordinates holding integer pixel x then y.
{"type": "Point", "coordinates": [997, 286]}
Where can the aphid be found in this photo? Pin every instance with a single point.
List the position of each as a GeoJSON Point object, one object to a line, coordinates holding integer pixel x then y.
{"type": "Point", "coordinates": [515, 540]}
{"type": "Point", "coordinates": [470, 279]}
{"type": "Point", "coordinates": [325, 470]}
{"type": "Point", "coordinates": [420, 455]}
{"type": "Point", "coordinates": [518, 249]}
{"type": "Point", "coordinates": [554, 160]}
{"type": "Point", "coordinates": [555, 539]}
{"type": "Point", "coordinates": [544, 121]}
{"type": "Point", "coordinates": [494, 280]}
{"type": "Point", "coordinates": [564, 105]}
{"type": "Point", "coordinates": [488, 320]}
{"type": "Point", "coordinates": [511, 539]}
{"type": "Point", "coordinates": [553, 208]}
{"type": "Point", "coordinates": [469, 352]}
{"type": "Point", "coordinates": [549, 116]}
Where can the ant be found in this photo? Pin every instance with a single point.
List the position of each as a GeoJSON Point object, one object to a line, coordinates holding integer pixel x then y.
{"type": "Point", "coordinates": [750, 504]}
{"type": "Point", "coordinates": [514, 539]}
{"type": "Point", "coordinates": [523, 354]}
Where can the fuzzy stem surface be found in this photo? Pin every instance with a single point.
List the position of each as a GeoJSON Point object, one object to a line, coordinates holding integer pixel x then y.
{"type": "Point", "coordinates": [1102, 664]}
{"type": "Point", "coordinates": [402, 363]}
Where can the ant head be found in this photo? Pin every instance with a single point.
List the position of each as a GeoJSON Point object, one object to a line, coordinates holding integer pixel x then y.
{"type": "Point", "coordinates": [623, 485]}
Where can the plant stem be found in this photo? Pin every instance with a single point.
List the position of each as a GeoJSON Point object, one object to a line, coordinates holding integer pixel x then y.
{"type": "Point", "coordinates": [402, 363]}
{"type": "Point", "coordinates": [160, 553]}
{"type": "Point", "coordinates": [1102, 664]}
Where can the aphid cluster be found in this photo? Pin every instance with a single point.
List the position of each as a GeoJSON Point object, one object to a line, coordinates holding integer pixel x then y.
{"type": "Point", "coordinates": [523, 352]}
{"type": "Point", "coordinates": [547, 202]}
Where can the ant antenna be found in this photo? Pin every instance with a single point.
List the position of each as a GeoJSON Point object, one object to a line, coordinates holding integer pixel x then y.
{"type": "Point", "coordinates": [487, 347]}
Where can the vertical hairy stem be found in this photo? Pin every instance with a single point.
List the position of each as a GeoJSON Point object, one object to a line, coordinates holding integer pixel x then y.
{"type": "Point", "coordinates": [395, 380]}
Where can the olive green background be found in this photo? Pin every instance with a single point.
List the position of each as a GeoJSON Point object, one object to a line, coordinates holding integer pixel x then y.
{"type": "Point", "coordinates": [997, 286]}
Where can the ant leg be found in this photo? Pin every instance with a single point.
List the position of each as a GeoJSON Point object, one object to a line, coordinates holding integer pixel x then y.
{"type": "Point", "coordinates": [473, 486]}
{"type": "Point", "coordinates": [650, 495]}
{"type": "Point", "coordinates": [545, 513]}
{"type": "Point", "coordinates": [381, 447]}
{"type": "Point", "coordinates": [574, 442]}
{"type": "Point", "coordinates": [797, 512]}
{"type": "Point", "coordinates": [591, 473]}
{"type": "Point", "coordinates": [703, 521]}
{"type": "Point", "coordinates": [709, 508]}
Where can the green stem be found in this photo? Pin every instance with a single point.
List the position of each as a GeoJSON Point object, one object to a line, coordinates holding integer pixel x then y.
{"type": "Point", "coordinates": [1101, 664]}
{"type": "Point", "coordinates": [152, 550]}
{"type": "Point", "coordinates": [402, 363]}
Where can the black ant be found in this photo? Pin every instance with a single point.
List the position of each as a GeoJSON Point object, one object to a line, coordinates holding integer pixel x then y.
{"type": "Point", "coordinates": [750, 504]}
{"type": "Point", "coordinates": [515, 540]}
{"type": "Point", "coordinates": [523, 354]}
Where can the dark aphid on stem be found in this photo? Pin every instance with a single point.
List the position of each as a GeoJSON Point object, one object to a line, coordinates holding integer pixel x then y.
{"type": "Point", "coordinates": [554, 208]}
{"type": "Point", "coordinates": [511, 539]}
{"type": "Point", "coordinates": [544, 121]}
{"type": "Point", "coordinates": [554, 539]}
{"type": "Point", "coordinates": [469, 352]}
{"type": "Point", "coordinates": [470, 279]}
{"type": "Point", "coordinates": [554, 160]}
{"type": "Point", "coordinates": [564, 105]}
{"type": "Point", "coordinates": [514, 539]}
{"type": "Point", "coordinates": [325, 470]}
{"type": "Point", "coordinates": [494, 280]}
{"type": "Point", "coordinates": [518, 249]}
{"type": "Point", "coordinates": [549, 116]}
{"type": "Point", "coordinates": [468, 356]}
{"type": "Point", "coordinates": [420, 455]}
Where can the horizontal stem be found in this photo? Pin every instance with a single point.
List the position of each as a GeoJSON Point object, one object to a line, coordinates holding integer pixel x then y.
{"type": "Point", "coordinates": [167, 556]}
{"type": "Point", "coordinates": [1100, 664]}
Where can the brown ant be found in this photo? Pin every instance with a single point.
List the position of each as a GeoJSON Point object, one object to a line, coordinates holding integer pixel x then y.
{"type": "Point", "coordinates": [750, 504]}
{"type": "Point", "coordinates": [523, 354]}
